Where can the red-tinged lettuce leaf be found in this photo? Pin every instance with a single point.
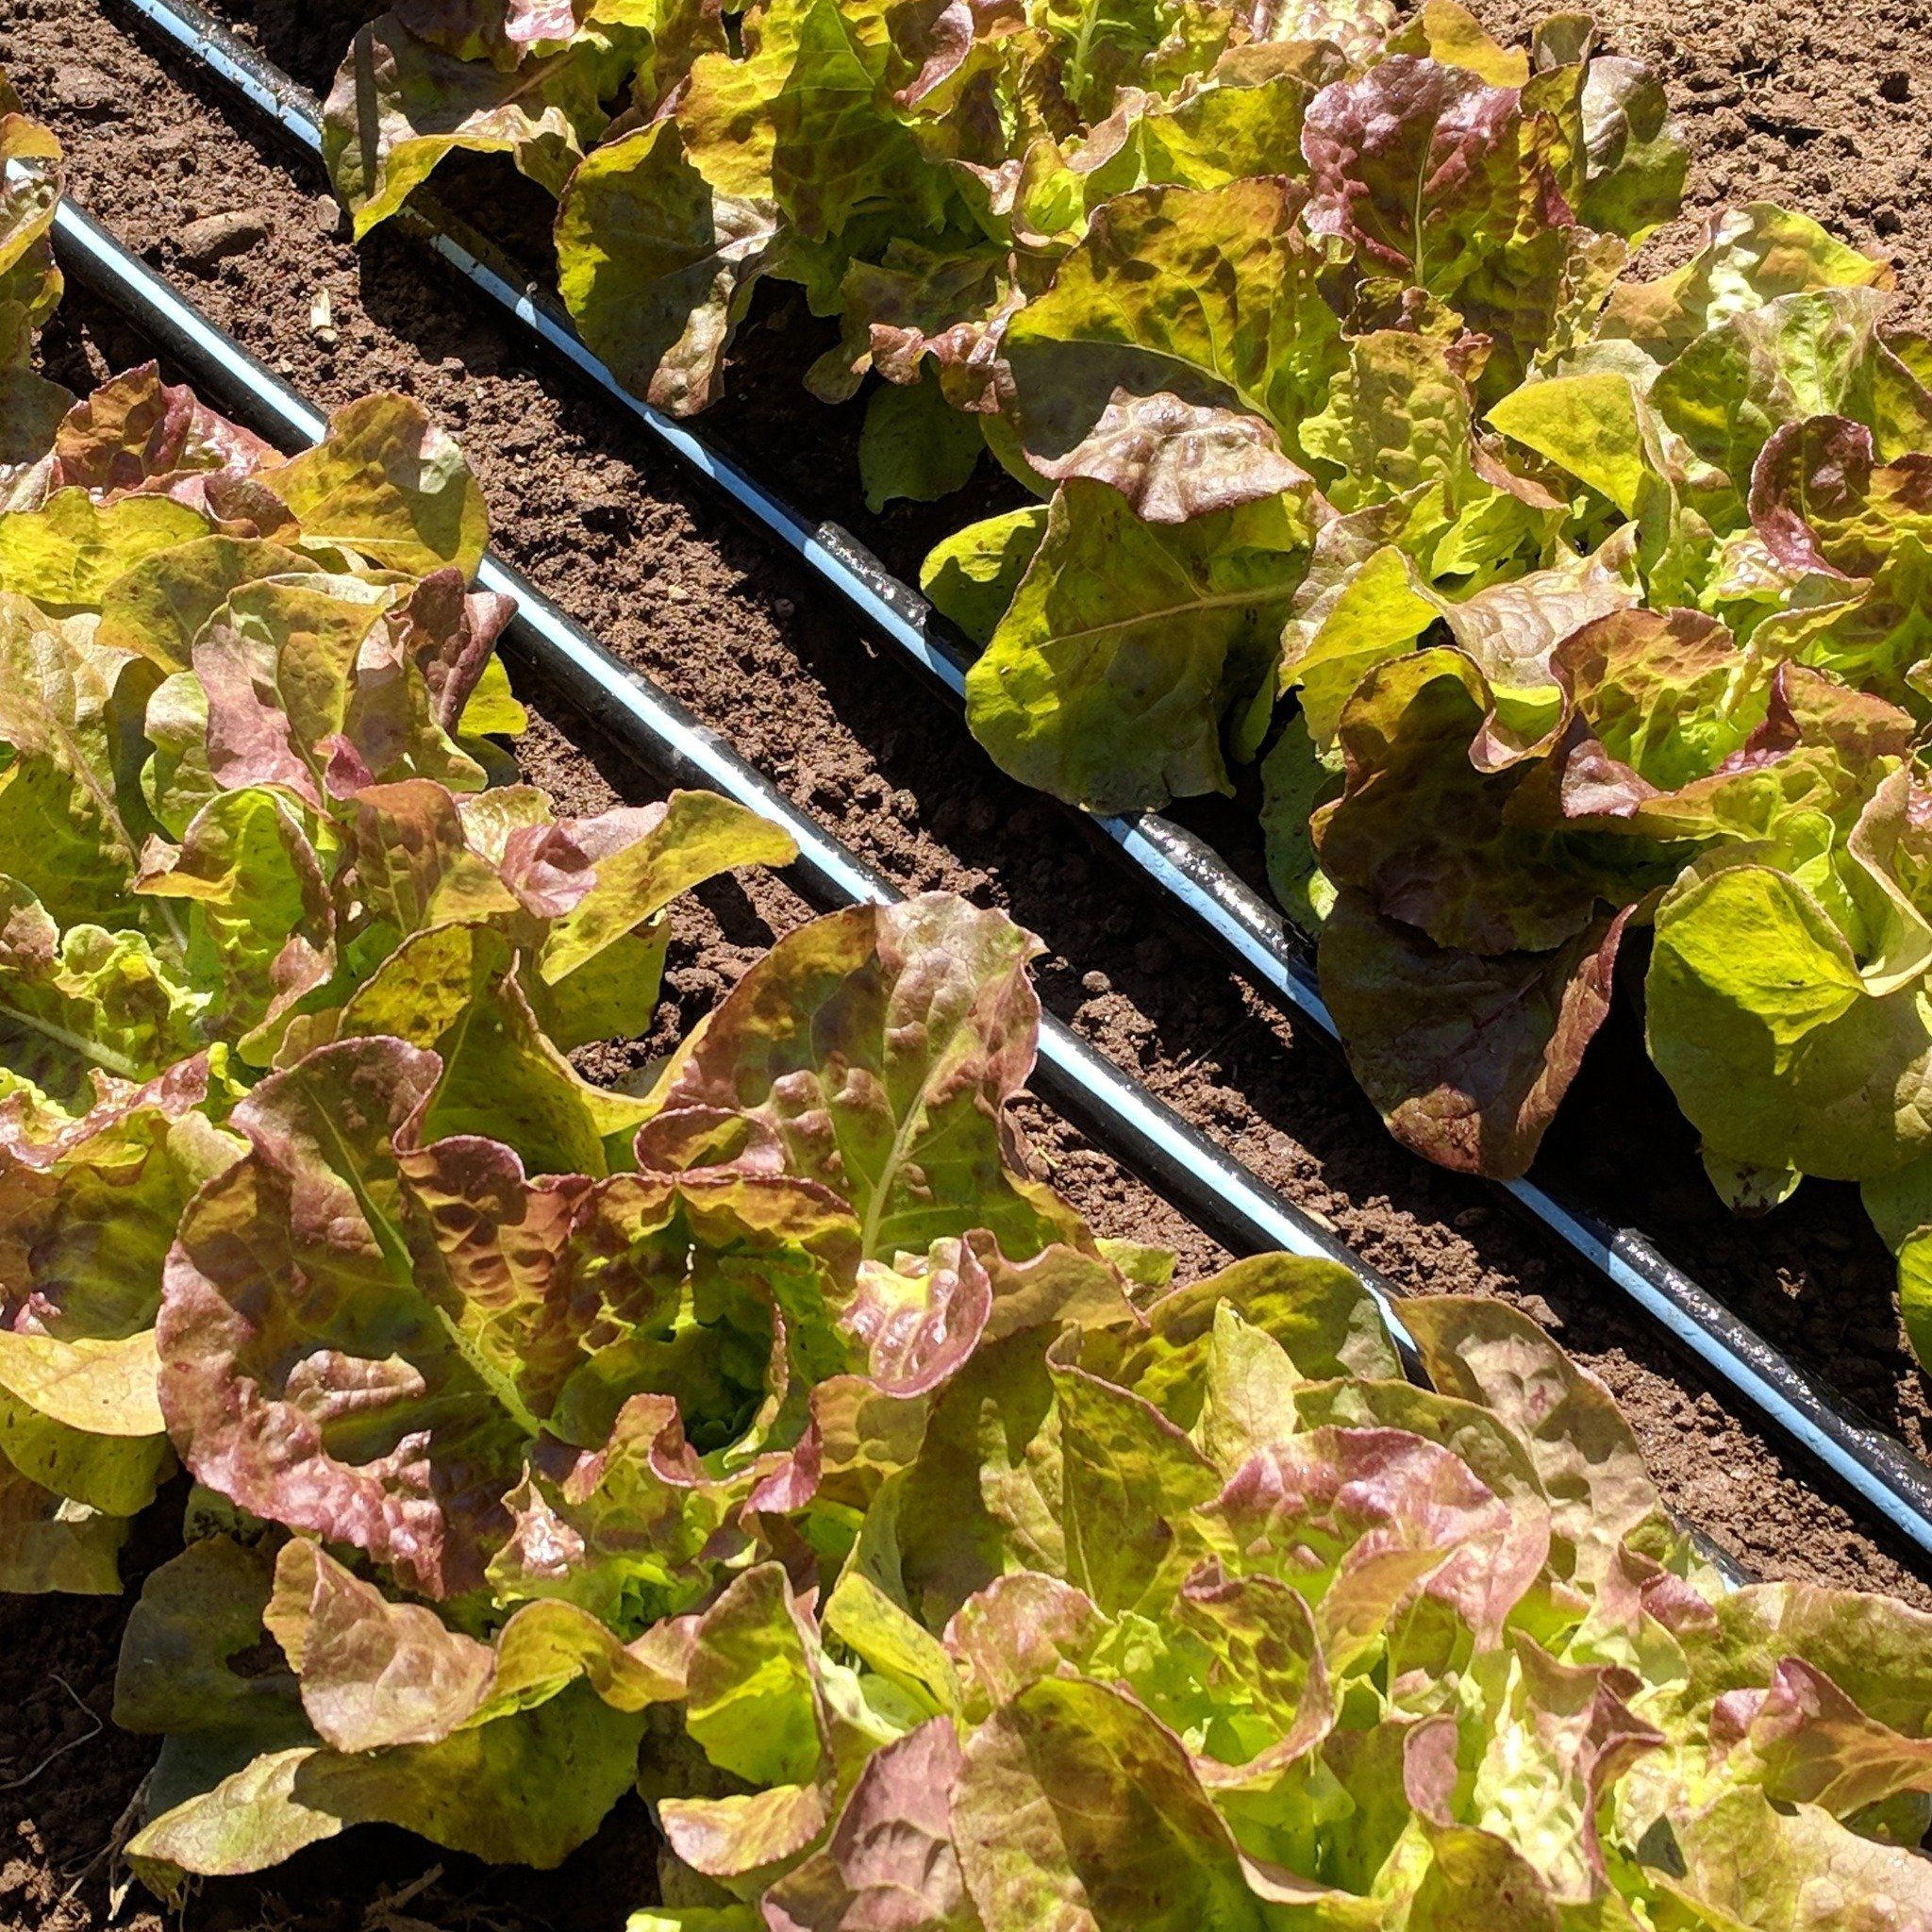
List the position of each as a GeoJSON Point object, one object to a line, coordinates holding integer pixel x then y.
{"type": "Point", "coordinates": [1095, 50]}
{"type": "Point", "coordinates": [919, 1326]}
{"type": "Point", "coordinates": [373, 1673]}
{"type": "Point", "coordinates": [916, 303]}
{"type": "Point", "coordinates": [1678, 735]}
{"type": "Point", "coordinates": [369, 1340]}
{"type": "Point", "coordinates": [1465, 1055]}
{"type": "Point", "coordinates": [137, 435]}
{"type": "Point", "coordinates": [1483, 1439]}
{"type": "Point", "coordinates": [1360, 28]}
{"type": "Point", "coordinates": [1821, 501]}
{"type": "Point", "coordinates": [1366, 601]}
{"type": "Point", "coordinates": [1075, 1807]}
{"type": "Point", "coordinates": [504, 31]}
{"type": "Point", "coordinates": [1128, 644]}
{"type": "Point", "coordinates": [1125, 1495]}
{"type": "Point", "coordinates": [1356, 1520]}
{"type": "Point", "coordinates": [1799, 357]}
{"type": "Point", "coordinates": [1178, 349]}
{"type": "Point", "coordinates": [450, 634]}
{"type": "Point", "coordinates": [629, 1531]}
{"type": "Point", "coordinates": [1017, 1630]}
{"type": "Point", "coordinates": [889, 1865]}
{"type": "Point", "coordinates": [1477, 860]}
{"type": "Point", "coordinates": [1805, 1743]}
{"type": "Point", "coordinates": [1859, 532]}
{"type": "Point", "coordinates": [1586, 1456]}
{"type": "Point", "coordinates": [400, 104]}
{"type": "Point", "coordinates": [918, 1322]}
{"type": "Point", "coordinates": [1402, 416]}
{"type": "Point", "coordinates": [307, 1236]}
{"type": "Point", "coordinates": [657, 267]}
{"type": "Point", "coordinates": [1439, 176]}
{"type": "Point", "coordinates": [402, 1701]}
{"type": "Point", "coordinates": [455, 989]}
{"type": "Point", "coordinates": [89, 1202]}
{"type": "Point", "coordinates": [311, 687]}
{"type": "Point", "coordinates": [1243, 1672]}
{"type": "Point", "coordinates": [1873, 1648]}
{"type": "Point", "coordinates": [881, 1046]}
{"type": "Point", "coordinates": [88, 1208]}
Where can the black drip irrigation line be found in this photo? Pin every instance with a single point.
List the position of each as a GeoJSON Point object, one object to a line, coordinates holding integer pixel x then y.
{"type": "Point", "coordinates": [1877, 1468]}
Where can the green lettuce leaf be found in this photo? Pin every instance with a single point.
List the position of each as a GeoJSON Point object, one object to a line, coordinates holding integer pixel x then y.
{"type": "Point", "coordinates": [1128, 644]}
{"type": "Point", "coordinates": [1178, 349]}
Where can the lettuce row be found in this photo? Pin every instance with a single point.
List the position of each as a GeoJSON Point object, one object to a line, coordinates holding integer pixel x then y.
{"type": "Point", "coordinates": [250, 802]}
{"type": "Point", "coordinates": [949, 1587]}
{"type": "Point", "coordinates": [1596, 610]}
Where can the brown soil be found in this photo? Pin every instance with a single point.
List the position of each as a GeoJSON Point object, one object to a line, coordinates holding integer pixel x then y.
{"type": "Point", "coordinates": [612, 531]}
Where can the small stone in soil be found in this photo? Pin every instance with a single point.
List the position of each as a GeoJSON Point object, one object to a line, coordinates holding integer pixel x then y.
{"type": "Point", "coordinates": [82, 91]}
{"type": "Point", "coordinates": [213, 238]}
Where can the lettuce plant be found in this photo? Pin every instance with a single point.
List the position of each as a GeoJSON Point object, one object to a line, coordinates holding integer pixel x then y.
{"type": "Point", "coordinates": [246, 708]}
{"type": "Point", "coordinates": [540, 1418]}
{"type": "Point", "coordinates": [943, 1586]}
